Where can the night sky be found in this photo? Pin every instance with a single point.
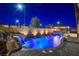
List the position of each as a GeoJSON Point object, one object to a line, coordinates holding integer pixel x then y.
{"type": "Point", "coordinates": [47, 14]}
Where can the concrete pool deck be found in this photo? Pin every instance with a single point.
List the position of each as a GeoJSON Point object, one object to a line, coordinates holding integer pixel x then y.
{"type": "Point", "coordinates": [69, 48]}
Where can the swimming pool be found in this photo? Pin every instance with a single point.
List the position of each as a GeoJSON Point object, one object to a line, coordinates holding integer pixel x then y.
{"type": "Point", "coordinates": [42, 42]}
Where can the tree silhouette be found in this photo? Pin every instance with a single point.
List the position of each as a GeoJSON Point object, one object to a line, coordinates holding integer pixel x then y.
{"type": "Point", "coordinates": [35, 22]}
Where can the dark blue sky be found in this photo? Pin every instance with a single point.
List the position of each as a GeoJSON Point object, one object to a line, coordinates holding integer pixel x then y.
{"type": "Point", "coordinates": [47, 14]}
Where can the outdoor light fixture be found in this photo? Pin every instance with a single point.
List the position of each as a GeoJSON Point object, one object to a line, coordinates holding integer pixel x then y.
{"type": "Point", "coordinates": [17, 21]}
{"type": "Point", "coordinates": [68, 27]}
{"type": "Point", "coordinates": [58, 22]}
{"type": "Point", "coordinates": [20, 6]}
{"type": "Point", "coordinates": [40, 24]}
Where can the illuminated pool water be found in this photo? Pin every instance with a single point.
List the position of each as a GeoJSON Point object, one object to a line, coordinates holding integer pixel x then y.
{"type": "Point", "coordinates": [43, 42]}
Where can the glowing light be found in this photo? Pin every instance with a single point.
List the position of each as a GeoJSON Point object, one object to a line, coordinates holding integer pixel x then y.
{"type": "Point", "coordinates": [20, 6]}
{"type": "Point", "coordinates": [42, 42]}
{"type": "Point", "coordinates": [57, 41]}
{"type": "Point", "coordinates": [42, 32]}
{"type": "Point", "coordinates": [34, 32]}
{"type": "Point", "coordinates": [68, 27]}
{"type": "Point", "coordinates": [17, 21]}
{"type": "Point", "coordinates": [50, 51]}
{"type": "Point", "coordinates": [46, 31]}
{"type": "Point", "coordinates": [58, 22]}
{"type": "Point", "coordinates": [44, 51]}
{"type": "Point", "coordinates": [40, 24]}
{"type": "Point", "coordinates": [24, 31]}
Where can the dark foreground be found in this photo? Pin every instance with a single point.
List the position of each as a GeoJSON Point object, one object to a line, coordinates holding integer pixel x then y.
{"type": "Point", "coordinates": [68, 48]}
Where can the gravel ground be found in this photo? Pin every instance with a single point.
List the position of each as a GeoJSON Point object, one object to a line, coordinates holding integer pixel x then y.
{"type": "Point", "coordinates": [69, 48]}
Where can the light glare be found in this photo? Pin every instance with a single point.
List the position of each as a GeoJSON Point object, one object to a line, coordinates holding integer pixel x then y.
{"type": "Point", "coordinates": [58, 22]}
{"type": "Point", "coordinates": [19, 6]}
{"type": "Point", "coordinates": [17, 21]}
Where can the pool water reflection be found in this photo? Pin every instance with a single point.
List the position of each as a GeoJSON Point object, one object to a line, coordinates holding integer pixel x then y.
{"type": "Point", "coordinates": [43, 42]}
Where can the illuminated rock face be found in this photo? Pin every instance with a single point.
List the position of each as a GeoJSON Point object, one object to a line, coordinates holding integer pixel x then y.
{"type": "Point", "coordinates": [36, 31]}
{"type": "Point", "coordinates": [24, 31]}
{"type": "Point", "coordinates": [46, 31]}
{"type": "Point", "coordinates": [33, 32]}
